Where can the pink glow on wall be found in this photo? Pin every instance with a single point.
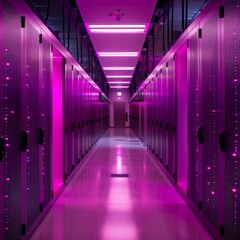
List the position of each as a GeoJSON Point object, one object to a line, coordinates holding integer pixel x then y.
{"type": "Point", "coordinates": [57, 131]}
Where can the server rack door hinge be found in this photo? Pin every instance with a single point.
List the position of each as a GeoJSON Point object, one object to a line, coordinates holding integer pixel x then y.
{"type": "Point", "coordinates": [65, 177]}
{"type": "Point", "coordinates": [79, 160]}
{"type": "Point", "coordinates": [40, 38]}
{"type": "Point", "coordinates": [41, 207]}
{"type": "Point", "coordinates": [24, 144]}
{"type": "Point", "coordinates": [200, 205]}
{"type": "Point", "coordinates": [22, 22]}
{"type": "Point", "coordinates": [73, 167]}
{"type": "Point", "coordinates": [52, 194]}
{"type": "Point", "coordinates": [24, 229]}
{"type": "Point", "coordinates": [2, 149]}
{"type": "Point", "coordinates": [174, 57]}
{"type": "Point", "coordinates": [174, 176]}
{"type": "Point", "coordinates": [221, 12]}
{"type": "Point", "coordinates": [221, 230]}
{"type": "Point", "coordinates": [187, 43]}
{"type": "Point", "coordinates": [199, 33]}
{"type": "Point", "coordinates": [64, 60]}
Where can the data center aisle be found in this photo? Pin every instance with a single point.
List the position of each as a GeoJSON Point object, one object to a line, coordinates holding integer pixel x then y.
{"type": "Point", "coordinates": [98, 205]}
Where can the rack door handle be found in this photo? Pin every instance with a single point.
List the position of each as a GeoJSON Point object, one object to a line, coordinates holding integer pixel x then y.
{"type": "Point", "coordinates": [167, 126]}
{"type": "Point", "coordinates": [41, 136]}
{"type": "Point", "coordinates": [25, 140]}
{"type": "Point", "coordinates": [222, 141]}
{"type": "Point", "coordinates": [2, 149]}
{"type": "Point", "coordinates": [200, 135]}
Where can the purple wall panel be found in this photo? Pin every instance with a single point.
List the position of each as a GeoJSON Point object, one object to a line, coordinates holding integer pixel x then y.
{"type": "Point", "coordinates": [58, 73]}
{"type": "Point", "coordinates": [231, 53]}
{"type": "Point", "coordinates": [11, 89]}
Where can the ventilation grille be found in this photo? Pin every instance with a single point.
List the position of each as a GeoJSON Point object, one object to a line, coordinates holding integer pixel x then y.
{"type": "Point", "coordinates": [120, 175]}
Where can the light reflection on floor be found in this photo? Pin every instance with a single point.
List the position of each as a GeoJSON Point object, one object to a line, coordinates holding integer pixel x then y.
{"type": "Point", "coordinates": [143, 206]}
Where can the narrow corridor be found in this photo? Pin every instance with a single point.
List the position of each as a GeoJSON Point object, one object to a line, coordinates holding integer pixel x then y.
{"type": "Point", "coordinates": [96, 205]}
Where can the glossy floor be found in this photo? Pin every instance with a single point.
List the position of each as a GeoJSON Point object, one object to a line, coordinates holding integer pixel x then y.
{"type": "Point", "coordinates": [142, 206]}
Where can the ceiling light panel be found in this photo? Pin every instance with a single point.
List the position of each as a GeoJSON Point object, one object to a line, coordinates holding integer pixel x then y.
{"type": "Point", "coordinates": [119, 76]}
{"type": "Point", "coordinates": [118, 54]}
{"type": "Point", "coordinates": [118, 68]}
{"type": "Point", "coordinates": [117, 82]}
{"type": "Point", "coordinates": [119, 86]}
{"type": "Point", "coordinates": [117, 28]}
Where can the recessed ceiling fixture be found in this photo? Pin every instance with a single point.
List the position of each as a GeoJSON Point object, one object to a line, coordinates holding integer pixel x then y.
{"type": "Point", "coordinates": [119, 76]}
{"type": "Point", "coordinates": [118, 68]}
{"type": "Point", "coordinates": [117, 15]}
{"type": "Point", "coordinates": [117, 28]}
{"type": "Point", "coordinates": [118, 82]}
{"type": "Point", "coordinates": [119, 86]}
{"type": "Point", "coordinates": [118, 54]}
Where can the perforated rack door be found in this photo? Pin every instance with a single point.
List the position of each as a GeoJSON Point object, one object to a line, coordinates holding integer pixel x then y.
{"type": "Point", "coordinates": [211, 116]}
{"type": "Point", "coordinates": [68, 120]}
{"type": "Point", "coordinates": [45, 120]}
{"type": "Point", "coordinates": [194, 118]}
{"type": "Point", "coordinates": [31, 122]}
{"type": "Point", "coordinates": [231, 53]}
{"type": "Point", "coordinates": [12, 119]}
{"type": "Point", "coordinates": [171, 117]}
{"type": "Point", "coordinates": [165, 122]}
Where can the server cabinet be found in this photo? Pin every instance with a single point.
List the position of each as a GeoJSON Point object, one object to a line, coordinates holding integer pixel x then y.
{"type": "Point", "coordinates": [165, 125]}
{"type": "Point", "coordinates": [171, 117]}
{"type": "Point", "coordinates": [80, 125]}
{"type": "Point", "coordinates": [11, 116]}
{"type": "Point", "coordinates": [194, 116]}
{"type": "Point", "coordinates": [75, 116]}
{"type": "Point", "coordinates": [148, 114]}
{"type": "Point", "coordinates": [211, 117]}
{"type": "Point", "coordinates": [154, 116]}
{"type": "Point", "coordinates": [2, 142]}
{"type": "Point", "coordinates": [45, 122]}
{"type": "Point", "coordinates": [231, 77]}
{"type": "Point", "coordinates": [31, 125]}
{"type": "Point", "coordinates": [68, 120]}
{"type": "Point", "coordinates": [84, 104]}
{"type": "Point", "coordinates": [160, 116]}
